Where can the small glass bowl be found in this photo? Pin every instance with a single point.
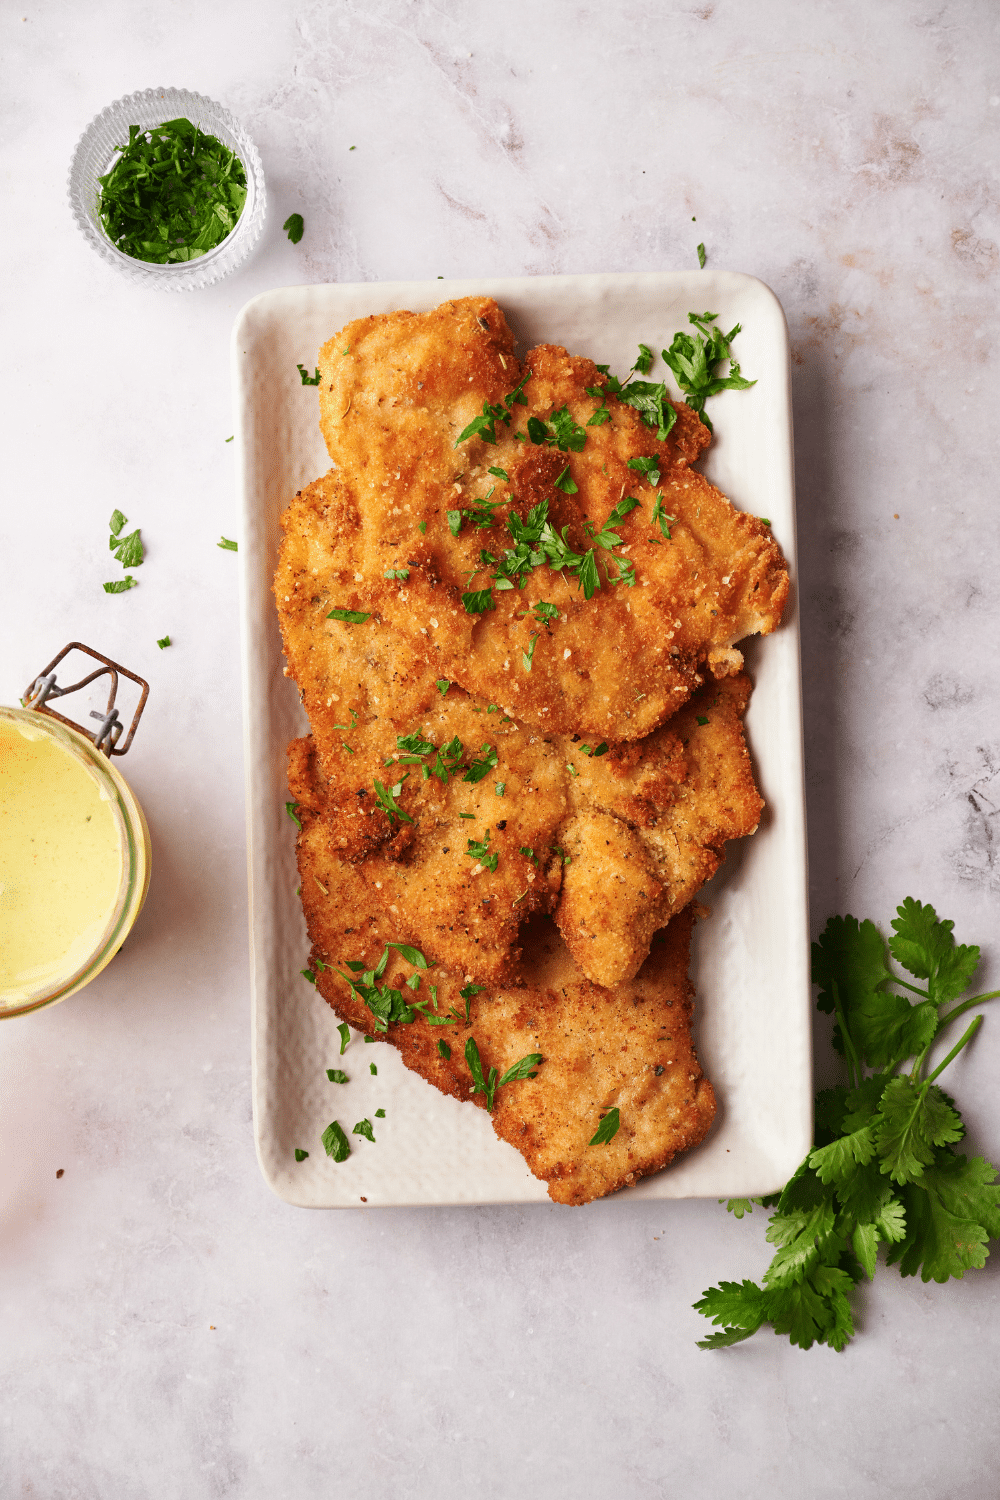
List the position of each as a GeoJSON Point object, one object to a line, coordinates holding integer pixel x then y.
{"type": "Point", "coordinates": [96, 151]}
{"type": "Point", "coordinates": [136, 860]}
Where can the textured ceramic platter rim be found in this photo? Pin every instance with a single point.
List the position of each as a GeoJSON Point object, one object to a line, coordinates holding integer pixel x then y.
{"type": "Point", "coordinates": [750, 960]}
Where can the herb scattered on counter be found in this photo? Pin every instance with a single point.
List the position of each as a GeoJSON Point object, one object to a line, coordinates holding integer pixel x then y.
{"type": "Point", "coordinates": [229, 440]}
{"type": "Point", "coordinates": [308, 379]}
{"type": "Point", "coordinates": [227, 544]}
{"type": "Point", "coordinates": [607, 1130]}
{"type": "Point", "coordinates": [173, 194]}
{"type": "Point", "coordinates": [380, 1114]}
{"type": "Point", "coordinates": [337, 1075]}
{"type": "Point", "coordinates": [345, 1036]}
{"type": "Point", "coordinates": [373, 1070]}
{"type": "Point", "coordinates": [294, 227]}
{"type": "Point", "coordinates": [695, 362]}
{"type": "Point", "coordinates": [290, 809]}
{"type": "Point", "coordinates": [883, 1169]}
{"type": "Point", "coordinates": [365, 1128]}
{"type": "Point", "coordinates": [701, 256]}
{"type": "Point", "coordinates": [120, 585]}
{"type": "Point", "coordinates": [335, 1142]}
{"type": "Point", "coordinates": [300, 1155]}
{"type": "Point", "coordinates": [349, 616]}
{"type": "Point", "coordinates": [164, 642]}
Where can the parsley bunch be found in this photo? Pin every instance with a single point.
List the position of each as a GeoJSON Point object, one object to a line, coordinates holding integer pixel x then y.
{"type": "Point", "coordinates": [695, 362]}
{"type": "Point", "coordinates": [884, 1169]}
{"type": "Point", "coordinates": [173, 194]}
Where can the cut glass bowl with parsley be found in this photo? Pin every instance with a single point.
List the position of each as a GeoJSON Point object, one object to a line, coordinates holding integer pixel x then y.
{"type": "Point", "coordinates": [167, 187]}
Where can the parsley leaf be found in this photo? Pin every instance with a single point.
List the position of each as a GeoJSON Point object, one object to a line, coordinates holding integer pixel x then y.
{"type": "Point", "coordinates": [608, 1128]}
{"type": "Point", "coordinates": [345, 1036]}
{"type": "Point", "coordinates": [227, 544]}
{"type": "Point", "coordinates": [387, 803]}
{"type": "Point", "coordinates": [164, 642]}
{"type": "Point", "coordinates": [291, 810]}
{"type": "Point", "coordinates": [294, 227]}
{"type": "Point", "coordinates": [478, 601]}
{"type": "Point", "coordinates": [482, 766]}
{"type": "Point", "coordinates": [300, 1155]}
{"type": "Point", "coordinates": [336, 1075]}
{"type": "Point", "coordinates": [335, 1142]}
{"type": "Point", "coordinates": [560, 430]}
{"type": "Point", "coordinates": [308, 379]}
{"type": "Point", "coordinates": [442, 685]}
{"type": "Point", "coordinates": [481, 1085]}
{"type": "Point", "coordinates": [444, 1049]}
{"type": "Point", "coordinates": [120, 585]}
{"type": "Point", "coordinates": [701, 256]}
{"type": "Point", "coordinates": [524, 1068]}
{"type": "Point", "coordinates": [365, 1128]}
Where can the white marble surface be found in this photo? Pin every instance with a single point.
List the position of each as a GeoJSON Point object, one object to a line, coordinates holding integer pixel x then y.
{"type": "Point", "coordinates": [169, 1327]}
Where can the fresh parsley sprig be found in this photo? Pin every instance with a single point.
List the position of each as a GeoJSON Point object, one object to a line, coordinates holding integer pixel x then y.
{"type": "Point", "coordinates": [488, 1085]}
{"type": "Point", "coordinates": [559, 430]}
{"type": "Point", "coordinates": [883, 1170]}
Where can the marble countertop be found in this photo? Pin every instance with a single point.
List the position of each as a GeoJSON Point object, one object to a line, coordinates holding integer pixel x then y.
{"type": "Point", "coordinates": [170, 1327]}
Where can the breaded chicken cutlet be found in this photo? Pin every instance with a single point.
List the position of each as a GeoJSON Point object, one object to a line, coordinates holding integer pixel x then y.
{"type": "Point", "coordinates": [628, 1048]}
{"type": "Point", "coordinates": [465, 821]}
{"type": "Point", "coordinates": [512, 611]}
{"type": "Point", "coordinates": [439, 516]}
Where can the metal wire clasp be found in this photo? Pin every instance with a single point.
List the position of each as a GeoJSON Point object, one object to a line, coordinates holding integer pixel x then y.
{"type": "Point", "coordinates": [107, 736]}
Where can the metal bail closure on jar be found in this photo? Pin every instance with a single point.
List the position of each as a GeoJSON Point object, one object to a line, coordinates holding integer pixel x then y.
{"type": "Point", "coordinates": [75, 856]}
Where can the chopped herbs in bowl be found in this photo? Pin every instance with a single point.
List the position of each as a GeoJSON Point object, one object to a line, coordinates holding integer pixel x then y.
{"type": "Point", "coordinates": [167, 186]}
{"type": "Point", "coordinates": [173, 194]}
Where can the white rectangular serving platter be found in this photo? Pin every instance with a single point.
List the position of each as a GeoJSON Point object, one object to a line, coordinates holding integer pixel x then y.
{"type": "Point", "coordinates": [750, 959]}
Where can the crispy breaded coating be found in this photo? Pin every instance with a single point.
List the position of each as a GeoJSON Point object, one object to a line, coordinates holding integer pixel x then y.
{"type": "Point", "coordinates": [628, 1048]}
{"type": "Point", "coordinates": [629, 874]}
{"type": "Point", "coordinates": [618, 664]}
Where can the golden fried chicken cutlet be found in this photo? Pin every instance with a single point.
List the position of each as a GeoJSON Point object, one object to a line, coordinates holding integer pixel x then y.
{"type": "Point", "coordinates": [628, 1048]}
{"type": "Point", "coordinates": [500, 541]}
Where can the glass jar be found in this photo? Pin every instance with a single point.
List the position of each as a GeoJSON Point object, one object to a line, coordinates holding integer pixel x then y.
{"type": "Point", "coordinates": [63, 913]}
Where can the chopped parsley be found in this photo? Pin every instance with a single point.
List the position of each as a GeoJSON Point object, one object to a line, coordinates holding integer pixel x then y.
{"type": "Point", "coordinates": [529, 854]}
{"type": "Point", "coordinates": [702, 720]}
{"type": "Point", "coordinates": [387, 801]}
{"type": "Point", "coordinates": [488, 1085]}
{"type": "Point", "coordinates": [120, 585]}
{"type": "Point", "coordinates": [484, 425]}
{"type": "Point", "coordinates": [401, 573]}
{"type": "Point", "coordinates": [564, 482]}
{"type": "Point", "coordinates": [365, 1128]}
{"type": "Point", "coordinates": [294, 227]}
{"type": "Point", "coordinates": [442, 685]}
{"type": "Point", "coordinates": [227, 544]}
{"type": "Point", "coordinates": [164, 642]}
{"type": "Point", "coordinates": [349, 616]}
{"type": "Point", "coordinates": [648, 466]}
{"type": "Point", "coordinates": [300, 1155]}
{"type": "Point", "coordinates": [526, 656]}
{"type": "Point", "coordinates": [335, 1142]}
{"type": "Point", "coordinates": [478, 601]}
{"type": "Point", "coordinates": [345, 1036]}
{"type": "Point", "coordinates": [602, 749]}
{"type": "Point", "coordinates": [173, 193]}
{"type": "Point", "coordinates": [290, 809]}
{"type": "Point", "coordinates": [336, 1075]}
{"type": "Point", "coordinates": [601, 415]}
{"type": "Point", "coordinates": [695, 362]}
{"type": "Point", "coordinates": [607, 1130]}
{"type": "Point", "coordinates": [380, 1114]}
{"type": "Point", "coordinates": [482, 766]}
{"type": "Point", "coordinates": [478, 849]}
{"type": "Point", "coordinates": [373, 1070]}
{"type": "Point", "coordinates": [560, 431]}
{"type": "Point", "coordinates": [661, 519]}
{"type": "Point", "coordinates": [308, 379]}
{"type": "Point", "coordinates": [701, 256]}
{"type": "Point", "coordinates": [499, 474]}
{"type": "Point", "coordinates": [444, 1049]}
{"type": "Point", "coordinates": [500, 788]}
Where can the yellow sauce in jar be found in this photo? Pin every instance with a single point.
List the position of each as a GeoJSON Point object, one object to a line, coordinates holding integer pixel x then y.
{"type": "Point", "coordinates": [67, 862]}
